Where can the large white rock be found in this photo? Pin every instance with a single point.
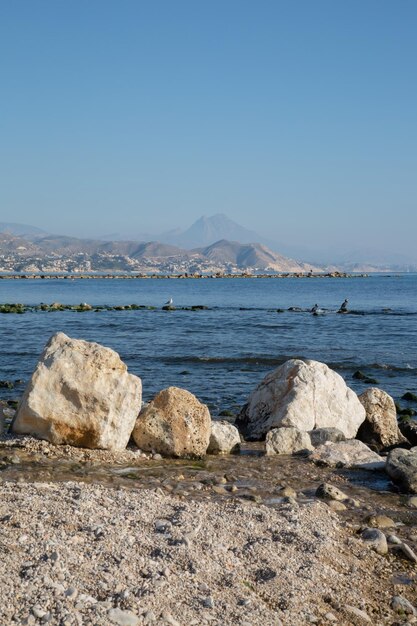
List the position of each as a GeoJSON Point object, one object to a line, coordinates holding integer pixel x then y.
{"type": "Point", "coordinates": [224, 438]}
{"type": "Point", "coordinates": [174, 424]}
{"type": "Point", "coordinates": [287, 441]}
{"type": "Point", "coordinates": [303, 394]}
{"type": "Point", "coordinates": [80, 394]}
{"type": "Point", "coordinates": [380, 428]}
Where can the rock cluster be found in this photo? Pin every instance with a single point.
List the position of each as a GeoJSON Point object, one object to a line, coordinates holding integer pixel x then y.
{"type": "Point", "coordinates": [81, 394]}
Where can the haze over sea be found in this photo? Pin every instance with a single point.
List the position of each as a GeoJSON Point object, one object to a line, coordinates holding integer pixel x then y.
{"type": "Point", "coordinates": [220, 354]}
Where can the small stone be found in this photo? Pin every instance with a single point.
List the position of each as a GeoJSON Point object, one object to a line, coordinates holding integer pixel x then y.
{"type": "Point", "coordinates": [335, 505]}
{"type": "Point", "coordinates": [376, 539]}
{"type": "Point", "coordinates": [168, 619]}
{"type": "Point", "coordinates": [38, 612]}
{"type": "Point", "coordinates": [380, 521]}
{"type": "Point", "coordinates": [330, 492]}
{"type": "Point", "coordinates": [402, 605]}
{"type": "Point", "coordinates": [353, 502]}
{"type": "Point", "coordinates": [408, 552]}
{"type": "Point", "coordinates": [71, 593]}
{"type": "Point", "coordinates": [122, 618]}
{"type": "Point", "coordinates": [162, 525]}
{"type": "Point", "coordinates": [221, 491]}
{"type": "Point", "coordinates": [288, 492]}
{"type": "Point", "coordinates": [412, 502]}
{"type": "Point", "coordinates": [394, 540]}
{"type": "Point", "coordinates": [149, 617]}
{"type": "Point", "coordinates": [330, 617]}
{"type": "Point", "coordinates": [360, 617]}
{"type": "Point", "coordinates": [208, 603]}
{"type": "Point", "coordinates": [220, 480]}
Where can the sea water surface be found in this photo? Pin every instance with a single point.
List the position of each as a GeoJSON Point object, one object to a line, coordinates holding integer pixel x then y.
{"type": "Point", "coordinates": [222, 353]}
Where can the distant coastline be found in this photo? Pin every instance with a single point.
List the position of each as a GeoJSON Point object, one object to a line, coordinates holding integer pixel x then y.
{"type": "Point", "coordinates": [124, 276]}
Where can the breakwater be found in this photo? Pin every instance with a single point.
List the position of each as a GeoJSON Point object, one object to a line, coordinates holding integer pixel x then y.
{"type": "Point", "coordinates": [41, 276]}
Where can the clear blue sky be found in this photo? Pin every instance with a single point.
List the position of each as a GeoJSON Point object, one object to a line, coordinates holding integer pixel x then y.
{"type": "Point", "coordinates": [296, 118]}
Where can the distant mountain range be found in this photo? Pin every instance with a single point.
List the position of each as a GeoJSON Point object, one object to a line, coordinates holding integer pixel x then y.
{"type": "Point", "coordinates": [216, 240]}
{"type": "Point", "coordinates": [59, 253]}
{"type": "Point", "coordinates": [208, 230]}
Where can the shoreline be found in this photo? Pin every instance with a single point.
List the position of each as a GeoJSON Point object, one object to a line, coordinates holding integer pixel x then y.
{"type": "Point", "coordinates": [115, 276]}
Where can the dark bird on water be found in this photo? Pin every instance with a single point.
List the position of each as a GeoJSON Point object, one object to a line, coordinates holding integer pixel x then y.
{"type": "Point", "coordinates": [343, 306]}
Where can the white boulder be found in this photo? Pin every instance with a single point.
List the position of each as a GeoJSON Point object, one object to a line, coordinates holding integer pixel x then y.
{"type": "Point", "coordinates": [224, 438]}
{"type": "Point", "coordinates": [287, 441]}
{"type": "Point", "coordinates": [174, 424]}
{"type": "Point", "coordinates": [80, 394]}
{"type": "Point", "coordinates": [302, 394]}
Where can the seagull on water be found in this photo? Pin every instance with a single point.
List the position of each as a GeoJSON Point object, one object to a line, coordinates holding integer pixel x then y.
{"type": "Point", "coordinates": [170, 301]}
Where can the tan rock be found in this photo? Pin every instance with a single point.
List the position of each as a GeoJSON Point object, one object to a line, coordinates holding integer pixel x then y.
{"type": "Point", "coordinates": [80, 394]}
{"type": "Point", "coordinates": [326, 491]}
{"type": "Point", "coordinates": [336, 506]}
{"type": "Point", "coordinates": [302, 394]}
{"type": "Point", "coordinates": [380, 428]}
{"type": "Point", "coordinates": [174, 424]}
{"type": "Point", "coordinates": [380, 521]}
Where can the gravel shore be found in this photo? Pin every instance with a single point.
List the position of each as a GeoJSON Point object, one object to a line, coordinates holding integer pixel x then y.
{"type": "Point", "coordinates": [79, 554]}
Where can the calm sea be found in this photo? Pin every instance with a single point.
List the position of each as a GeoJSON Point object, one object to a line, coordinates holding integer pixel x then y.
{"type": "Point", "coordinates": [220, 354]}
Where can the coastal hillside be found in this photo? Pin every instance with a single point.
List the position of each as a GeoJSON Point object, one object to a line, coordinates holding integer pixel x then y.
{"type": "Point", "coordinates": [252, 255]}
{"type": "Point", "coordinates": [60, 254]}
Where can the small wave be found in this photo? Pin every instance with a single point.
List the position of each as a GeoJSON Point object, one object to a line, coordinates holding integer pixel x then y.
{"type": "Point", "coordinates": [245, 360]}
{"type": "Point", "coordinates": [352, 365]}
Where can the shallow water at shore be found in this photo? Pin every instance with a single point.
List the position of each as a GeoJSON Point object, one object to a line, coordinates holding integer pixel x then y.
{"type": "Point", "coordinates": [251, 476]}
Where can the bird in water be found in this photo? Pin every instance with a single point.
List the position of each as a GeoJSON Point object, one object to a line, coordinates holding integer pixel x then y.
{"type": "Point", "coordinates": [343, 306]}
{"type": "Point", "coordinates": [170, 302]}
{"type": "Point", "coordinates": [316, 310]}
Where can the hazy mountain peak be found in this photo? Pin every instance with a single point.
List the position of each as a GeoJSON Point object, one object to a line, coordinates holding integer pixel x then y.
{"type": "Point", "coordinates": [209, 229]}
